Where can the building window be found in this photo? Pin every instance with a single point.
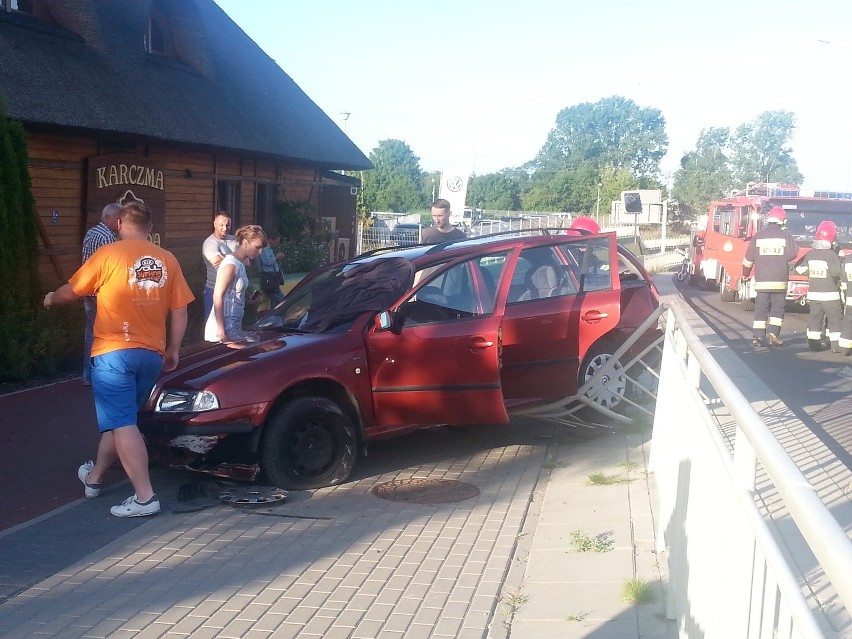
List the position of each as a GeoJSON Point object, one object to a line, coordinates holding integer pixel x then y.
{"type": "Point", "coordinates": [265, 207]}
{"type": "Point", "coordinates": [228, 200]}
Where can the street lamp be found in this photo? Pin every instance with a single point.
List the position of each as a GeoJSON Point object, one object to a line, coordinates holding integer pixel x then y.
{"type": "Point", "coordinates": [345, 115]}
{"type": "Point", "coordinates": [598, 205]}
{"type": "Point", "coordinates": [433, 189]}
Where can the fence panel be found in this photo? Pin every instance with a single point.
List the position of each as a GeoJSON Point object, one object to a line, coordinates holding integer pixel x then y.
{"type": "Point", "coordinates": [728, 576]}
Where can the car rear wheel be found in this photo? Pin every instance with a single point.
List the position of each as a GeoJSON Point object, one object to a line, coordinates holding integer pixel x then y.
{"type": "Point", "coordinates": [611, 387]}
{"type": "Point", "coordinates": [309, 443]}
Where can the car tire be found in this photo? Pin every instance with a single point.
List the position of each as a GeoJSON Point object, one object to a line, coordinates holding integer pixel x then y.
{"type": "Point", "coordinates": [613, 396]}
{"type": "Point", "coordinates": [309, 443]}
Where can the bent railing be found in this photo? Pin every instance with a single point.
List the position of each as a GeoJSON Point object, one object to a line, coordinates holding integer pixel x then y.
{"type": "Point", "coordinates": [632, 372]}
{"type": "Point", "coordinates": [728, 575]}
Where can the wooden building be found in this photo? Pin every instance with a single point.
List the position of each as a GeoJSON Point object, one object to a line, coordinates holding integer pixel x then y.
{"type": "Point", "coordinates": [170, 102]}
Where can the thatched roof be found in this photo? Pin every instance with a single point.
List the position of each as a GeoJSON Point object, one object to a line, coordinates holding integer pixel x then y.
{"type": "Point", "coordinates": [85, 68]}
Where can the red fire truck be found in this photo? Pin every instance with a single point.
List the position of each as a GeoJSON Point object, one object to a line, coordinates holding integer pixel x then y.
{"type": "Point", "coordinates": [717, 251]}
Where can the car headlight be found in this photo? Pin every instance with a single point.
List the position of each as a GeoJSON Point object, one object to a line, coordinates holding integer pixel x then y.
{"type": "Point", "coordinates": [180, 401]}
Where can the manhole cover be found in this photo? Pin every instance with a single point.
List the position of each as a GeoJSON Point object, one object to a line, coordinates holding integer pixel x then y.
{"type": "Point", "coordinates": [425, 491]}
{"type": "Point", "coordinates": [253, 496]}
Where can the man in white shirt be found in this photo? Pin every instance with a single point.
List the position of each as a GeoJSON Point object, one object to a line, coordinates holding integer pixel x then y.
{"type": "Point", "coordinates": [214, 249]}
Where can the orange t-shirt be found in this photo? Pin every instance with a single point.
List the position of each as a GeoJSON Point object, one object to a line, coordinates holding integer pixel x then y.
{"type": "Point", "coordinates": [137, 284]}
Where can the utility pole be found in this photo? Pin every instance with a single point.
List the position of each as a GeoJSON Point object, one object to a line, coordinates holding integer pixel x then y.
{"type": "Point", "coordinates": [598, 205]}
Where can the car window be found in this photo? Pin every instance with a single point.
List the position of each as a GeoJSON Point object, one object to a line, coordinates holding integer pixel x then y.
{"type": "Point", "coordinates": [628, 271]}
{"type": "Point", "coordinates": [462, 291]}
{"type": "Point", "coordinates": [332, 299]}
{"type": "Point", "coordinates": [589, 263]}
{"type": "Point", "coordinates": [540, 272]}
{"type": "Point", "coordinates": [490, 269]}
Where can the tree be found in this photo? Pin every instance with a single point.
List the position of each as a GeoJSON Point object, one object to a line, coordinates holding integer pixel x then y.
{"type": "Point", "coordinates": [304, 238]}
{"type": "Point", "coordinates": [612, 133]}
{"type": "Point", "coordinates": [20, 331]}
{"type": "Point", "coordinates": [761, 150]}
{"type": "Point", "coordinates": [705, 173]}
{"type": "Point", "coordinates": [396, 181]}
{"type": "Point", "coordinates": [496, 191]}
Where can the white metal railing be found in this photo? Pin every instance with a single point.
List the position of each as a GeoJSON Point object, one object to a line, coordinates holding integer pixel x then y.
{"type": "Point", "coordinates": [727, 576]}
{"type": "Point", "coordinates": [669, 242]}
{"type": "Point", "coordinates": [662, 261]}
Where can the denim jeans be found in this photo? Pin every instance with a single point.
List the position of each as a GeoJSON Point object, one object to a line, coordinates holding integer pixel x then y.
{"type": "Point", "coordinates": [90, 306]}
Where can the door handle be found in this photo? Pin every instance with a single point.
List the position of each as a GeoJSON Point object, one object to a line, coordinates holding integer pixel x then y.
{"type": "Point", "coordinates": [480, 343]}
{"type": "Point", "coordinates": [594, 316]}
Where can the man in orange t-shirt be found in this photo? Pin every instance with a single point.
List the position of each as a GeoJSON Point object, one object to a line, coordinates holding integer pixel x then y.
{"type": "Point", "coordinates": [138, 284]}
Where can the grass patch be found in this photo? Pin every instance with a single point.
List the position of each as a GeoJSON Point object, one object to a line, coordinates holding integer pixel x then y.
{"type": "Point", "coordinates": [585, 543]}
{"type": "Point", "coordinates": [629, 466]}
{"type": "Point", "coordinates": [513, 600]}
{"type": "Point", "coordinates": [637, 592]}
{"type": "Point", "coordinates": [551, 464]}
{"type": "Point", "coordinates": [602, 479]}
{"type": "Point", "coordinates": [580, 616]}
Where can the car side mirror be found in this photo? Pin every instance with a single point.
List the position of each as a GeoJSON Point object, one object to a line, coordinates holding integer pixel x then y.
{"type": "Point", "coordinates": [386, 321]}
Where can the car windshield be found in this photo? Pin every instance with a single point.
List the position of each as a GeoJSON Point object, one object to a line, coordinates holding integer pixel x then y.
{"type": "Point", "coordinates": [334, 298]}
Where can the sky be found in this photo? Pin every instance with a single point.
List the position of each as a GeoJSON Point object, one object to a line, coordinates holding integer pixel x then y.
{"type": "Point", "coordinates": [475, 85]}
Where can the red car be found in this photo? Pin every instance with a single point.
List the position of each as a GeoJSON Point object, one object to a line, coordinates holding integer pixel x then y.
{"type": "Point", "coordinates": [460, 333]}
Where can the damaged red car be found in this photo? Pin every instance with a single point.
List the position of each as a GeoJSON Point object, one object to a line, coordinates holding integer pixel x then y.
{"type": "Point", "coordinates": [461, 333]}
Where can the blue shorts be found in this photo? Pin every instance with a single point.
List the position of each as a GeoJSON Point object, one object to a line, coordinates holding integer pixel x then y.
{"type": "Point", "coordinates": [121, 383]}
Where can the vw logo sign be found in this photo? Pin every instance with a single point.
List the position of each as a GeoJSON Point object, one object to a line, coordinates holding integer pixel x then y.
{"type": "Point", "coordinates": [455, 183]}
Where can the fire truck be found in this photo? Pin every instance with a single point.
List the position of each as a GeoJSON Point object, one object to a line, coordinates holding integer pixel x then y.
{"type": "Point", "coordinates": [717, 251]}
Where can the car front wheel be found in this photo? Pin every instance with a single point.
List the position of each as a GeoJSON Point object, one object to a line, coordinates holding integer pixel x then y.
{"type": "Point", "coordinates": [309, 443]}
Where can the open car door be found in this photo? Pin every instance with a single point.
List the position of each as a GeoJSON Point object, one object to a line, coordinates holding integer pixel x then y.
{"type": "Point", "coordinates": [562, 298]}
{"type": "Point", "coordinates": [440, 362]}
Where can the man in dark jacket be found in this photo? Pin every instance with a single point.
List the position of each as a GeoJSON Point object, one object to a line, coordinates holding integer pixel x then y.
{"type": "Point", "coordinates": [442, 231]}
{"type": "Point", "coordinates": [768, 255]}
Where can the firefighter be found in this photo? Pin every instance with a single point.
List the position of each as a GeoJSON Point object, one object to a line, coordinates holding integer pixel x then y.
{"type": "Point", "coordinates": [824, 270]}
{"type": "Point", "coordinates": [768, 255]}
{"type": "Point", "coordinates": [584, 223]}
{"type": "Point", "coordinates": [845, 342]}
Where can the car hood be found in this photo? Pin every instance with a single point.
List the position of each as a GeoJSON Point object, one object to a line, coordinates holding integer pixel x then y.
{"type": "Point", "coordinates": [202, 364]}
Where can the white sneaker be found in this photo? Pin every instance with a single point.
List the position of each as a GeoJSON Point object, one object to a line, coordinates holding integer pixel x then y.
{"type": "Point", "coordinates": [132, 508]}
{"type": "Point", "coordinates": [91, 490]}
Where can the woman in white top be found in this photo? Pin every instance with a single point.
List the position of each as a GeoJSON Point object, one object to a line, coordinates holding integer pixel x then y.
{"type": "Point", "coordinates": [229, 294]}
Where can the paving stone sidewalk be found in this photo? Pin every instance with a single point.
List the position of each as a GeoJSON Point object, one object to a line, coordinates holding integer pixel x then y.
{"type": "Point", "coordinates": [342, 562]}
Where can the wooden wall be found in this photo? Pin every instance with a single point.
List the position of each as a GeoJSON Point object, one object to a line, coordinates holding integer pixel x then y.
{"type": "Point", "coordinates": [58, 165]}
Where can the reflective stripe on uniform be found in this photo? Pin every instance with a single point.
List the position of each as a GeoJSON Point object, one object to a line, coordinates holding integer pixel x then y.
{"type": "Point", "coordinates": [775, 321]}
{"type": "Point", "coordinates": [761, 324]}
{"type": "Point", "coordinates": [829, 296]}
{"type": "Point", "coordinates": [771, 245]}
{"type": "Point", "coordinates": [770, 286]}
{"type": "Point", "coordinates": [814, 334]}
{"type": "Point", "coordinates": [845, 342]}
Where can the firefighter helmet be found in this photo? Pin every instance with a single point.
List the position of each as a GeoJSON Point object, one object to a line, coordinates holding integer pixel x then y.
{"type": "Point", "coordinates": [584, 223]}
{"type": "Point", "coordinates": [826, 231]}
{"type": "Point", "coordinates": [776, 214]}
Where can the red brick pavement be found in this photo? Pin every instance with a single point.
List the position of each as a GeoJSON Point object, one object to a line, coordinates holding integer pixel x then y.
{"type": "Point", "coordinates": [45, 434]}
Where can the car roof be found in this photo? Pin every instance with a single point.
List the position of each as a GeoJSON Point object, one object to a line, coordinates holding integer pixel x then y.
{"type": "Point", "coordinates": [474, 245]}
